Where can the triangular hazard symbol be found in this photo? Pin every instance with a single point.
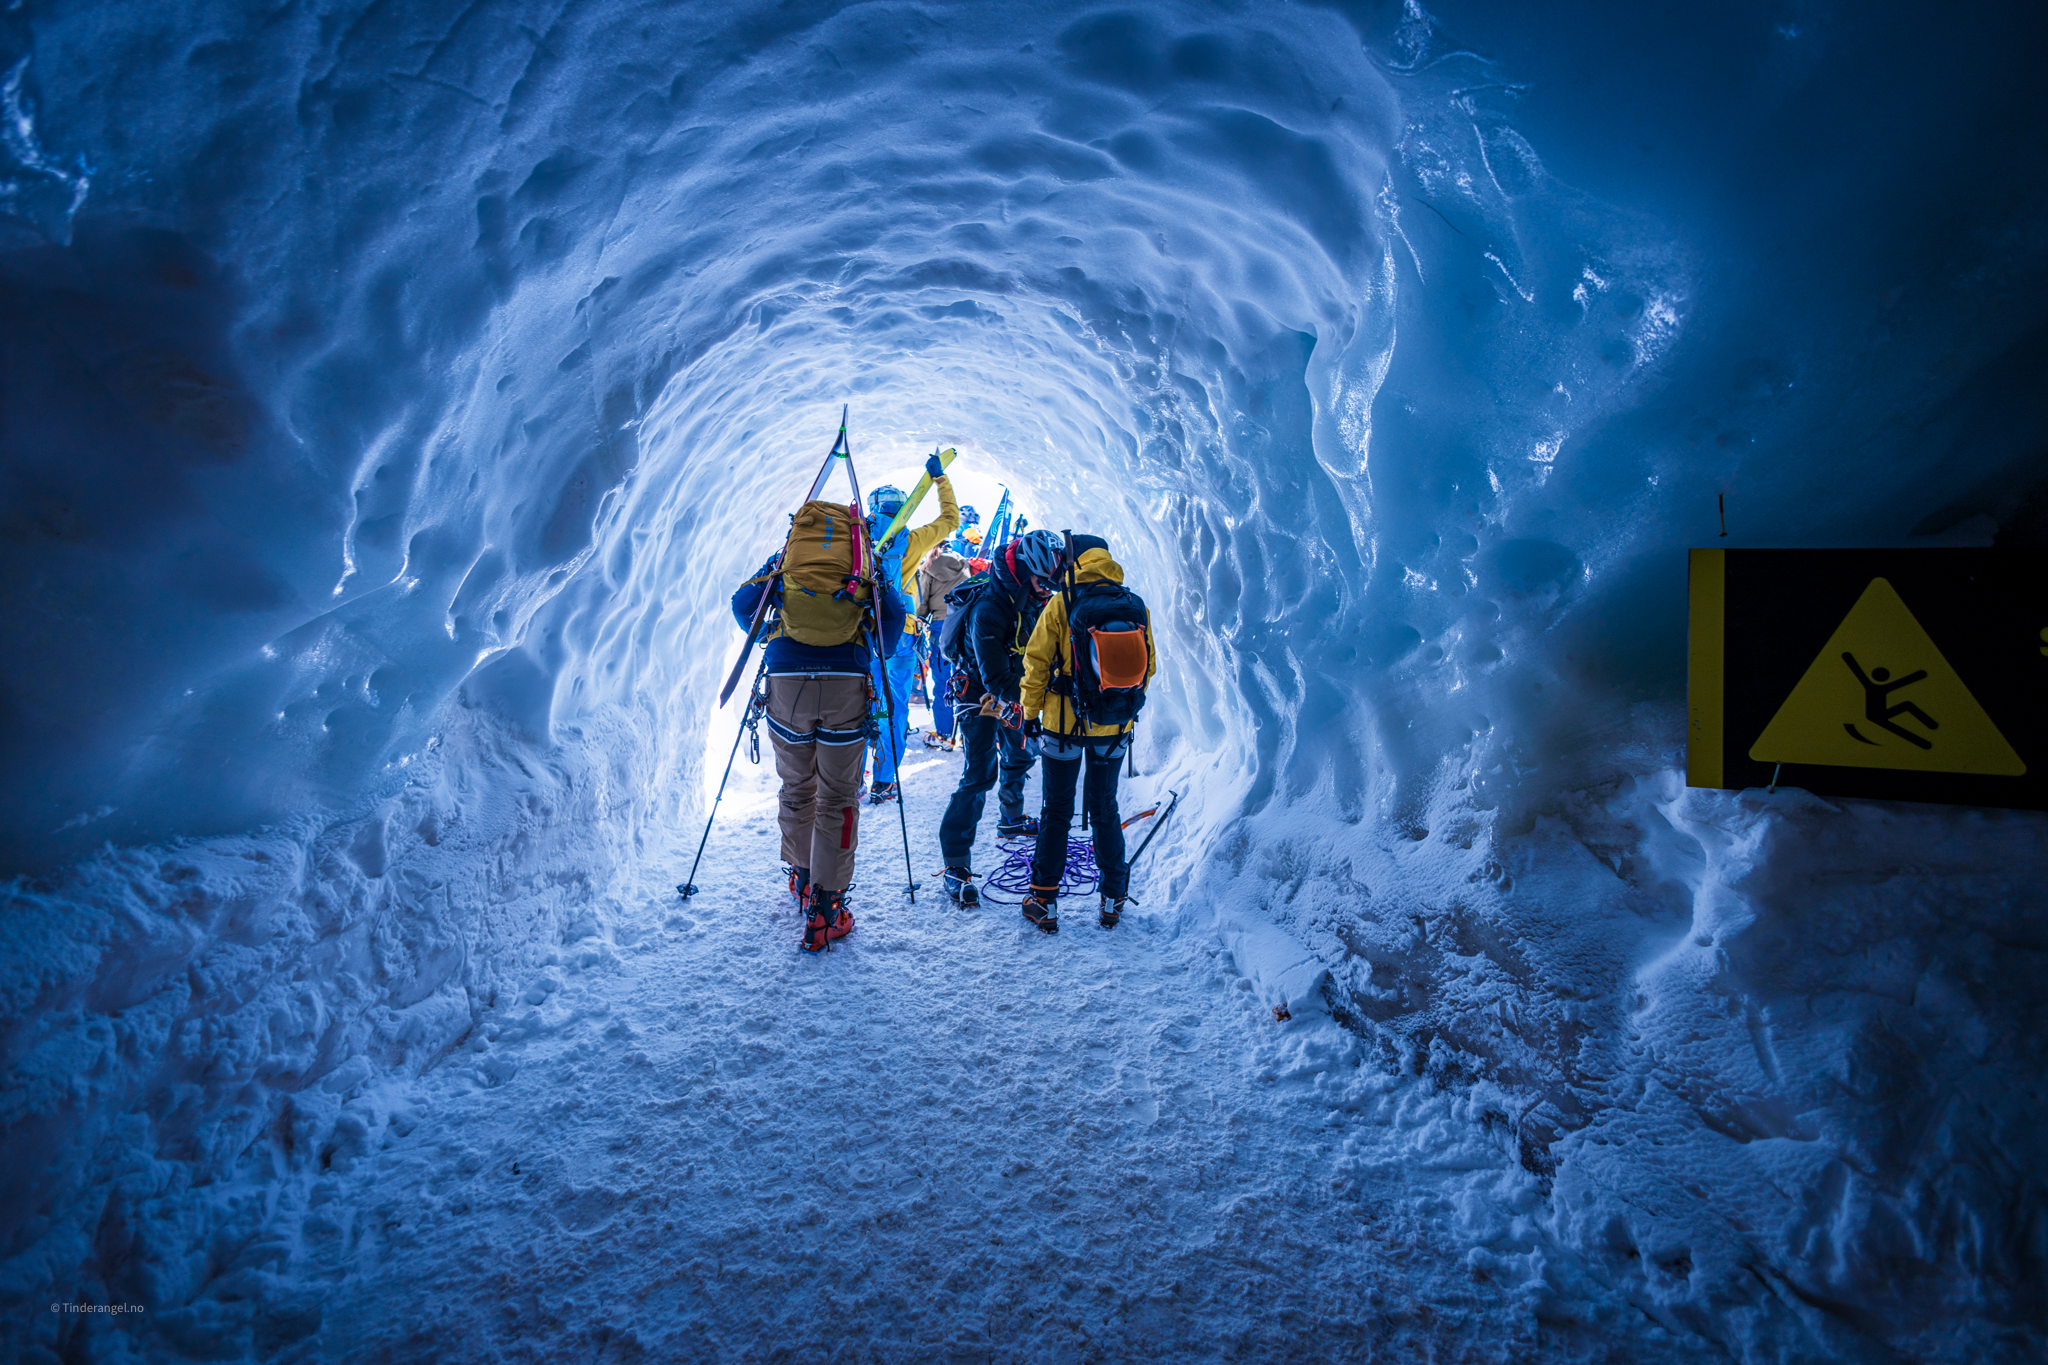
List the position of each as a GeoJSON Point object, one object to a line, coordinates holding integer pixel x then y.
{"type": "Point", "coordinates": [1881, 696]}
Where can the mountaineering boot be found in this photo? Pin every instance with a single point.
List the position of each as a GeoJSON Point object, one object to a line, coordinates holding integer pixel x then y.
{"type": "Point", "coordinates": [831, 906]}
{"type": "Point", "coordinates": [1043, 910]}
{"type": "Point", "coordinates": [960, 886]}
{"type": "Point", "coordinates": [799, 883]}
{"type": "Point", "coordinates": [1023, 827]}
{"type": "Point", "coordinates": [934, 740]}
{"type": "Point", "coordinates": [825, 919]}
{"type": "Point", "coordinates": [1112, 911]}
{"type": "Point", "coordinates": [883, 791]}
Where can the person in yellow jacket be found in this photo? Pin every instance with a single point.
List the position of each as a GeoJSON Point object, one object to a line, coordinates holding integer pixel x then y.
{"type": "Point", "coordinates": [897, 562]}
{"type": "Point", "coordinates": [1066, 742]}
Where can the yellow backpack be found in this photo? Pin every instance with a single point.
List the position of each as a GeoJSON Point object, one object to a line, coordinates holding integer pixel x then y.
{"type": "Point", "coordinates": [824, 572]}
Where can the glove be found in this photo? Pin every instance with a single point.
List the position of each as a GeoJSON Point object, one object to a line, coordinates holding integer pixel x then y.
{"type": "Point", "coordinates": [1032, 729]}
{"type": "Point", "coordinates": [934, 468]}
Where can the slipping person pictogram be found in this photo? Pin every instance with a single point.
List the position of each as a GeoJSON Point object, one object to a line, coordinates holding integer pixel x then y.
{"type": "Point", "coordinates": [1877, 691]}
{"type": "Point", "coordinates": [1812, 726]}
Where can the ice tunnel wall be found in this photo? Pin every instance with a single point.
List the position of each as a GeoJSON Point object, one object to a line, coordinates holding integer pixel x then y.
{"type": "Point", "coordinates": [394, 394]}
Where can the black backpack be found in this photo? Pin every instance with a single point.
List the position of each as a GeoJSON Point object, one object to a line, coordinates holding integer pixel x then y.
{"type": "Point", "coordinates": [1110, 646]}
{"type": "Point", "coordinates": [953, 630]}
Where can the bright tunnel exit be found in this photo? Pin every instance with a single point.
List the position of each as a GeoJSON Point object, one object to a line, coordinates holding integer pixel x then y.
{"type": "Point", "coordinates": [391, 402]}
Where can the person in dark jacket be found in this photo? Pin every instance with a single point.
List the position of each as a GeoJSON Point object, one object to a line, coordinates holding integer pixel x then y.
{"type": "Point", "coordinates": [992, 636]}
{"type": "Point", "coordinates": [818, 719]}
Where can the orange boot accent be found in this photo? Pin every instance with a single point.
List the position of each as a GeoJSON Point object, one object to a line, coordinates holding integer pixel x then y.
{"type": "Point", "coordinates": [827, 919]}
{"type": "Point", "coordinates": [1043, 909]}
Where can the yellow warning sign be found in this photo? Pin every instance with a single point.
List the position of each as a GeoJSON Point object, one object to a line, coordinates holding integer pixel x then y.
{"type": "Point", "coordinates": [1882, 696]}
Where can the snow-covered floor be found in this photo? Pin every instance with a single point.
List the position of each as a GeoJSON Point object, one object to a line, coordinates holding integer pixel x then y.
{"type": "Point", "coordinates": [952, 1138]}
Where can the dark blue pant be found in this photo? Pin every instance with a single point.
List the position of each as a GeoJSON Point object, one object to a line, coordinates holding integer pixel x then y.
{"type": "Point", "coordinates": [941, 685]}
{"type": "Point", "coordinates": [991, 748]}
{"type": "Point", "coordinates": [1057, 778]}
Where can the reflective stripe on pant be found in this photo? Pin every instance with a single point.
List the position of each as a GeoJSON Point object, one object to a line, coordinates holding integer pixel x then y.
{"type": "Point", "coordinates": [902, 673]}
{"type": "Point", "coordinates": [819, 728]}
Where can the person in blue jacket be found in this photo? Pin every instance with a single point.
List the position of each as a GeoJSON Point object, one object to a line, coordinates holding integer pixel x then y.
{"type": "Point", "coordinates": [818, 719]}
{"type": "Point", "coordinates": [899, 560]}
{"type": "Point", "coordinates": [958, 542]}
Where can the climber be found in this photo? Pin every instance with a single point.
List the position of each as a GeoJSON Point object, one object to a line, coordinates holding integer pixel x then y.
{"type": "Point", "coordinates": [896, 563]}
{"type": "Point", "coordinates": [970, 521]}
{"type": "Point", "coordinates": [1086, 668]}
{"type": "Point", "coordinates": [990, 620]}
{"type": "Point", "coordinates": [942, 571]}
{"type": "Point", "coordinates": [816, 666]}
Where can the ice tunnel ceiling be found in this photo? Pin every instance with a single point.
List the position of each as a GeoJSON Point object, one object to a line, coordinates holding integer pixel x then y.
{"type": "Point", "coordinates": [391, 396]}
{"type": "Point", "coordinates": [394, 353]}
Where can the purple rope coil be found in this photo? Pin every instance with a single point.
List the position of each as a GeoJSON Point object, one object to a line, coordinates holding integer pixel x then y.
{"type": "Point", "coordinates": [1079, 878]}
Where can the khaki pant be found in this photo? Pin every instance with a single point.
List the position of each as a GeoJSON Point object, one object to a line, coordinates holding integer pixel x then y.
{"type": "Point", "coordinates": [819, 726]}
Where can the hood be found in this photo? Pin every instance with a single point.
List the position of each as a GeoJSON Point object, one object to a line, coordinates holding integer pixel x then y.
{"type": "Point", "coordinates": [1006, 582]}
{"type": "Point", "coordinates": [1095, 566]}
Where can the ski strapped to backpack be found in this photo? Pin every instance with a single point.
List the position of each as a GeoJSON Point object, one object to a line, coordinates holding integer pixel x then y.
{"type": "Point", "coordinates": [841, 449]}
{"type": "Point", "coordinates": [1109, 653]}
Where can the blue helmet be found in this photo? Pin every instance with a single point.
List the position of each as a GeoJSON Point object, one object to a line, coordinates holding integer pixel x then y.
{"type": "Point", "coordinates": [968, 516]}
{"type": "Point", "coordinates": [884, 503]}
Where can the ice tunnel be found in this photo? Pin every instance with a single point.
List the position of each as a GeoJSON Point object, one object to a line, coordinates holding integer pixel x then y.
{"type": "Point", "coordinates": [392, 395]}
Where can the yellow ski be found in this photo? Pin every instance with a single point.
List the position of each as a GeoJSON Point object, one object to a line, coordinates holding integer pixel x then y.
{"type": "Point", "coordinates": [924, 486]}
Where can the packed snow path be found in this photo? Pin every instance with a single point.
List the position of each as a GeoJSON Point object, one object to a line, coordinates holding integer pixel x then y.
{"type": "Point", "coordinates": [953, 1137]}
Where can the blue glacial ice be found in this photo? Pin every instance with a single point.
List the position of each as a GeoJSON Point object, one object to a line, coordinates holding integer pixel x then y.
{"type": "Point", "coordinates": [390, 396]}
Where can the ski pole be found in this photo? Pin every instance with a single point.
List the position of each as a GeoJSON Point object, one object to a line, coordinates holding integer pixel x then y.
{"type": "Point", "coordinates": [896, 756]}
{"type": "Point", "coordinates": [688, 887]}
